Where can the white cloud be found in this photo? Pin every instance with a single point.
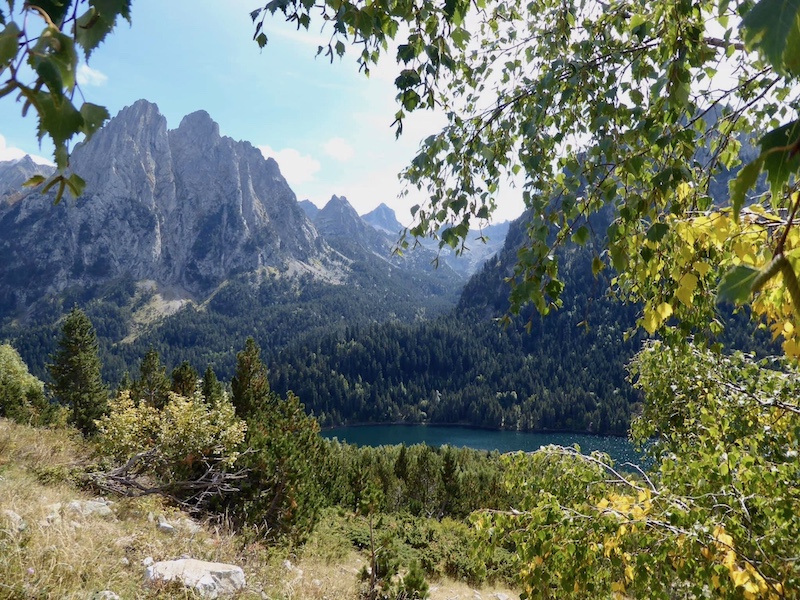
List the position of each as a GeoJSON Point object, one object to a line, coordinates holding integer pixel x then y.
{"type": "Point", "coordinates": [338, 149]}
{"type": "Point", "coordinates": [296, 168]}
{"type": "Point", "coordinates": [12, 153]}
{"type": "Point", "coordinates": [88, 76]}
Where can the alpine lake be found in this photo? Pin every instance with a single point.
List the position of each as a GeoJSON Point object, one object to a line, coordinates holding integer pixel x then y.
{"type": "Point", "coordinates": [620, 449]}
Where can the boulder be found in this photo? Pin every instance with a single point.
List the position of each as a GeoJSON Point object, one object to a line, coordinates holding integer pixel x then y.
{"type": "Point", "coordinates": [209, 578]}
{"type": "Point", "coordinates": [90, 508]}
{"type": "Point", "coordinates": [16, 523]}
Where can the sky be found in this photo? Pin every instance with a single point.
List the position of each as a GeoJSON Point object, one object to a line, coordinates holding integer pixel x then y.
{"type": "Point", "coordinates": [327, 125]}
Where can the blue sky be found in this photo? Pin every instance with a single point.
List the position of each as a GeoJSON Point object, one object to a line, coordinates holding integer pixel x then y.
{"type": "Point", "coordinates": [327, 125]}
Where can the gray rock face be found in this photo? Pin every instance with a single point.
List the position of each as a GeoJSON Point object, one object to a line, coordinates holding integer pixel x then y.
{"type": "Point", "coordinates": [479, 251]}
{"type": "Point", "coordinates": [210, 579]}
{"type": "Point", "coordinates": [186, 208]}
{"type": "Point", "coordinates": [340, 225]}
{"type": "Point", "coordinates": [13, 173]}
{"type": "Point", "coordinates": [384, 219]}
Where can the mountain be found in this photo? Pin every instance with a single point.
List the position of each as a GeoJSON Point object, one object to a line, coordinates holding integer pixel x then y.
{"type": "Point", "coordinates": [566, 373]}
{"type": "Point", "coordinates": [383, 219]}
{"type": "Point", "coordinates": [189, 241]}
{"type": "Point", "coordinates": [14, 173]}
{"type": "Point", "coordinates": [185, 208]}
{"type": "Point", "coordinates": [309, 208]}
{"type": "Point", "coordinates": [482, 244]}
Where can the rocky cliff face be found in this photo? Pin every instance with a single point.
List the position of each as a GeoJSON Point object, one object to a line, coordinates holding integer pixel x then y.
{"type": "Point", "coordinates": [13, 174]}
{"type": "Point", "coordinates": [187, 208]}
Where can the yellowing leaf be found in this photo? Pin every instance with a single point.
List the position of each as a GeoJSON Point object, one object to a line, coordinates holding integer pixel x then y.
{"type": "Point", "coordinates": [655, 316]}
{"type": "Point", "coordinates": [664, 310]}
{"type": "Point", "coordinates": [684, 190]}
{"type": "Point", "coordinates": [702, 267]}
{"type": "Point", "coordinates": [686, 288]}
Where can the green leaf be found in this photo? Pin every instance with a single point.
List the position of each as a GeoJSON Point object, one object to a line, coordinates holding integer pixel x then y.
{"type": "Point", "coordinates": [55, 9]}
{"type": "Point", "coordinates": [91, 29]}
{"type": "Point", "coordinates": [50, 74]}
{"type": "Point", "coordinates": [736, 284]}
{"type": "Point", "coordinates": [111, 9]}
{"type": "Point", "coordinates": [34, 181]}
{"type": "Point", "coordinates": [767, 28]}
{"type": "Point", "coordinates": [58, 49]}
{"type": "Point", "coordinates": [597, 265]}
{"type": "Point", "coordinates": [9, 44]}
{"type": "Point", "coordinates": [58, 118]}
{"type": "Point", "coordinates": [76, 184]}
{"type": "Point", "coordinates": [781, 159]}
{"type": "Point", "coordinates": [581, 236]}
{"type": "Point", "coordinates": [657, 231]}
{"type": "Point", "coordinates": [744, 181]}
{"type": "Point", "coordinates": [93, 118]}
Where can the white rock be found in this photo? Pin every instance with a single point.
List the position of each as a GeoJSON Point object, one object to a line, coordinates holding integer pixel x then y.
{"type": "Point", "coordinates": [210, 579]}
{"type": "Point", "coordinates": [105, 595]}
{"type": "Point", "coordinates": [164, 525]}
{"type": "Point", "coordinates": [189, 525]}
{"type": "Point", "coordinates": [16, 523]}
{"type": "Point", "coordinates": [148, 561]}
{"type": "Point", "coordinates": [90, 508]}
{"type": "Point", "coordinates": [501, 596]}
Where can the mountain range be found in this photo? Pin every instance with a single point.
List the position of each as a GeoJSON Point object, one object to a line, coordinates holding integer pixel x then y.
{"type": "Point", "coordinates": [185, 210]}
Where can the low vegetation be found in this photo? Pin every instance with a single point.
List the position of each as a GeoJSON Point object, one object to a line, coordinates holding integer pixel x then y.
{"type": "Point", "coordinates": [715, 515]}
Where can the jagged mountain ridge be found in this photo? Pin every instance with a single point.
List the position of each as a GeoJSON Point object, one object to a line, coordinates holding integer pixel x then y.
{"type": "Point", "coordinates": [186, 208]}
{"type": "Point", "coordinates": [339, 224]}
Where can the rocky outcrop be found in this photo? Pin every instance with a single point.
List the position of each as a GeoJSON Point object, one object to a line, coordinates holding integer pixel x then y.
{"type": "Point", "coordinates": [14, 173]}
{"type": "Point", "coordinates": [186, 208]}
{"type": "Point", "coordinates": [210, 579]}
{"type": "Point", "coordinates": [384, 219]}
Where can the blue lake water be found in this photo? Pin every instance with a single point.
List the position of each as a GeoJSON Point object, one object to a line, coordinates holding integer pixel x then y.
{"type": "Point", "coordinates": [620, 449]}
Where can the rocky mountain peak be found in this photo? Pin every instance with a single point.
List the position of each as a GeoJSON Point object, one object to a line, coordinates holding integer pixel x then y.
{"type": "Point", "coordinates": [384, 219]}
{"type": "Point", "coordinates": [185, 208]}
{"type": "Point", "coordinates": [199, 126]}
{"type": "Point", "coordinates": [339, 218]}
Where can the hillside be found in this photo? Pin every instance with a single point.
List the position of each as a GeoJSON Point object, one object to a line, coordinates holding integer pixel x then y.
{"type": "Point", "coordinates": [52, 544]}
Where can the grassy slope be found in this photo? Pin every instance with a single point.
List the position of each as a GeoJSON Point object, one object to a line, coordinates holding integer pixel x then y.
{"type": "Point", "coordinates": [80, 556]}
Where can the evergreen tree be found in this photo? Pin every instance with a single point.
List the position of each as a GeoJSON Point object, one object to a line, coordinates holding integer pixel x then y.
{"type": "Point", "coordinates": [184, 380]}
{"type": "Point", "coordinates": [153, 385]}
{"type": "Point", "coordinates": [250, 384]}
{"type": "Point", "coordinates": [126, 383]}
{"type": "Point", "coordinates": [211, 387]}
{"type": "Point", "coordinates": [75, 372]}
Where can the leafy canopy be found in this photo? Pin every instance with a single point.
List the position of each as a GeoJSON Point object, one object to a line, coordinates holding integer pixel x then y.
{"type": "Point", "coordinates": [716, 515]}
{"type": "Point", "coordinates": [39, 44]}
{"type": "Point", "coordinates": [629, 109]}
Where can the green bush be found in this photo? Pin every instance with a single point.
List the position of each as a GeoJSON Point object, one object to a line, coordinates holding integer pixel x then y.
{"type": "Point", "coordinates": [181, 440]}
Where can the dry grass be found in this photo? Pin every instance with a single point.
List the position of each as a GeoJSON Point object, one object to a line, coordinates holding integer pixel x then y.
{"type": "Point", "coordinates": [63, 555]}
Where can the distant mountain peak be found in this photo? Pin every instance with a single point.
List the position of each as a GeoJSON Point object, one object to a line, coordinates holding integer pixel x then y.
{"type": "Point", "coordinates": [384, 219]}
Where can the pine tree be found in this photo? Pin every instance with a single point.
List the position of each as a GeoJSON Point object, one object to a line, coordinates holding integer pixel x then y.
{"type": "Point", "coordinates": [184, 380]}
{"type": "Point", "coordinates": [211, 388]}
{"type": "Point", "coordinates": [153, 385]}
{"type": "Point", "coordinates": [75, 372]}
{"type": "Point", "coordinates": [249, 384]}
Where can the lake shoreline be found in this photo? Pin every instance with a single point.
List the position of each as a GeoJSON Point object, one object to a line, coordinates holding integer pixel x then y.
{"type": "Point", "coordinates": [409, 434]}
{"type": "Point", "coordinates": [470, 426]}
